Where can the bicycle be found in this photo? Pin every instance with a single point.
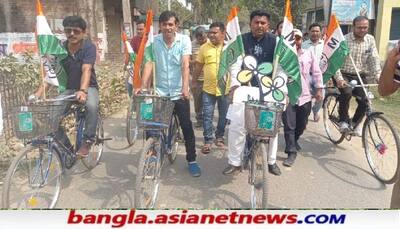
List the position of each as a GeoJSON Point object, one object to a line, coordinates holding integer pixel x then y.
{"type": "Point", "coordinates": [381, 160]}
{"type": "Point", "coordinates": [262, 121]}
{"type": "Point", "coordinates": [156, 115]}
{"type": "Point", "coordinates": [132, 129]}
{"type": "Point", "coordinates": [34, 178]}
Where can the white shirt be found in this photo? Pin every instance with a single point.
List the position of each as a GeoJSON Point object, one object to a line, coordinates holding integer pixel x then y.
{"type": "Point", "coordinates": [316, 48]}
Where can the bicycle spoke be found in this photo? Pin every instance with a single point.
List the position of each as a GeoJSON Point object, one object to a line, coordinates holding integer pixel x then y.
{"type": "Point", "coordinates": [381, 148]}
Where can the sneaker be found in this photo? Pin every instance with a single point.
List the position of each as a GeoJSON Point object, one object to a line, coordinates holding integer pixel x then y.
{"type": "Point", "coordinates": [231, 170]}
{"type": "Point", "coordinates": [274, 169]}
{"type": "Point", "coordinates": [358, 131]}
{"type": "Point", "coordinates": [194, 169]}
{"type": "Point", "coordinates": [84, 149]}
{"type": "Point", "coordinates": [344, 127]}
{"type": "Point", "coordinates": [290, 160]}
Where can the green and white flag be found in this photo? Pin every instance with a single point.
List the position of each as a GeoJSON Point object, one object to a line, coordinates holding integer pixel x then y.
{"type": "Point", "coordinates": [287, 54]}
{"type": "Point", "coordinates": [335, 50]}
{"type": "Point", "coordinates": [233, 48]}
{"type": "Point", "coordinates": [51, 51]}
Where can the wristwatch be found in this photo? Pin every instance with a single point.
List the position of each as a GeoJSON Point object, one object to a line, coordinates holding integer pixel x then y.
{"type": "Point", "coordinates": [84, 90]}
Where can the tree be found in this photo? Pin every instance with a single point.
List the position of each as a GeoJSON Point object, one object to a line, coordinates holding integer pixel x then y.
{"type": "Point", "coordinates": [87, 10]}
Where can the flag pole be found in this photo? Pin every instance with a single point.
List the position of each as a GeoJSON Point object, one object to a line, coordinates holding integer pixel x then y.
{"type": "Point", "coordinates": [41, 65]}
{"type": "Point", "coordinates": [359, 78]}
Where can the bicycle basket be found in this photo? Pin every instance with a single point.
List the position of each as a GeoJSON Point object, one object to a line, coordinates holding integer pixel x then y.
{"type": "Point", "coordinates": [153, 112]}
{"type": "Point", "coordinates": [263, 119]}
{"type": "Point", "coordinates": [36, 120]}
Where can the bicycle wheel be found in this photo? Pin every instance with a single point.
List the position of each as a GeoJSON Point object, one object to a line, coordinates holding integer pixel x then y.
{"type": "Point", "coordinates": [148, 175]}
{"type": "Point", "coordinates": [382, 147]}
{"type": "Point", "coordinates": [33, 180]}
{"type": "Point", "coordinates": [174, 136]}
{"type": "Point", "coordinates": [132, 129]}
{"type": "Point", "coordinates": [331, 118]}
{"type": "Point", "coordinates": [258, 176]}
{"type": "Point", "coordinates": [92, 160]}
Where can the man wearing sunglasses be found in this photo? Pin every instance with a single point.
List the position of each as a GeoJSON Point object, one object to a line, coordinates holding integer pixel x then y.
{"type": "Point", "coordinates": [79, 66]}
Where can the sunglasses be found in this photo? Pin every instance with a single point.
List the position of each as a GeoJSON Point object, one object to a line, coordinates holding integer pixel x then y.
{"type": "Point", "coordinates": [72, 30]}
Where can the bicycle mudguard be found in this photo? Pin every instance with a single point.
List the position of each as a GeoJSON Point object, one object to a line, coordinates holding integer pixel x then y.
{"type": "Point", "coordinates": [375, 113]}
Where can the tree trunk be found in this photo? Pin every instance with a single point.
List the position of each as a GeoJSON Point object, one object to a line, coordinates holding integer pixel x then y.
{"type": "Point", "coordinates": [87, 10]}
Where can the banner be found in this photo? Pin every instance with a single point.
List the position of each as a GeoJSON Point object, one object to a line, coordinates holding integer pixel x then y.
{"type": "Point", "coordinates": [202, 219]}
{"type": "Point", "coordinates": [347, 10]}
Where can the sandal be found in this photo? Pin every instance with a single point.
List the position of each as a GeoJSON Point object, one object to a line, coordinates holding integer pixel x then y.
{"type": "Point", "coordinates": [206, 149]}
{"type": "Point", "coordinates": [219, 142]}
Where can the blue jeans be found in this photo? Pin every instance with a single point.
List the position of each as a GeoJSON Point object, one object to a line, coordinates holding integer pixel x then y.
{"type": "Point", "coordinates": [91, 111]}
{"type": "Point", "coordinates": [129, 88]}
{"type": "Point", "coordinates": [208, 115]}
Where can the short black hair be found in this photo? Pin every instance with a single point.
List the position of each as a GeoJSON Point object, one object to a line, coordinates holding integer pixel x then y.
{"type": "Point", "coordinates": [315, 24]}
{"type": "Point", "coordinates": [279, 23]}
{"type": "Point", "coordinates": [140, 21]}
{"type": "Point", "coordinates": [199, 31]}
{"type": "Point", "coordinates": [359, 18]}
{"type": "Point", "coordinates": [260, 13]}
{"type": "Point", "coordinates": [166, 15]}
{"type": "Point", "coordinates": [74, 21]}
{"type": "Point", "coordinates": [218, 24]}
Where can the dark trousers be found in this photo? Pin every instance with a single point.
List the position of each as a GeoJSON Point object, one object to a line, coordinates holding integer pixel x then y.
{"type": "Point", "coordinates": [344, 101]}
{"type": "Point", "coordinates": [295, 120]}
{"type": "Point", "coordinates": [182, 110]}
{"type": "Point", "coordinates": [198, 100]}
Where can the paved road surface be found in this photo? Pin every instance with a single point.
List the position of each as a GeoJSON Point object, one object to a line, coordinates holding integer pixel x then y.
{"type": "Point", "coordinates": [324, 176]}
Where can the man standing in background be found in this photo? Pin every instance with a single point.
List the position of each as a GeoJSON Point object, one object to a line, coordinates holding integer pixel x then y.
{"type": "Point", "coordinates": [200, 38]}
{"type": "Point", "coordinates": [316, 45]}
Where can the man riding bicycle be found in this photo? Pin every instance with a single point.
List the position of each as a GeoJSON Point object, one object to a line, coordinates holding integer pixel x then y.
{"type": "Point", "coordinates": [79, 66]}
{"type": "Point", "coordinates": [172, 52]}
{"type": "Point", "coordinates": [365, 55]}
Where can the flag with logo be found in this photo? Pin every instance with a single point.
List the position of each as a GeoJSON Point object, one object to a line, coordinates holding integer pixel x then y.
{"type": "Point", "coordinates": [130, 56]}
{"type": "Point", "coordinates": [335, 50]}
{"type": "Point", "coordinates": [233, 48]}
{"type": "Point", "coordinates": [286, 54]}
{"type": "Point", "coordinates": [51, 51]}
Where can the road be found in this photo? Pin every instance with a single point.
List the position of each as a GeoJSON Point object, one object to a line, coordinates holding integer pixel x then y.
{"type": "Point", "coordinates": [324, 176]}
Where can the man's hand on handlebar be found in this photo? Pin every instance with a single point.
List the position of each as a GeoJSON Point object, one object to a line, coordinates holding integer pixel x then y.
{"type": "Point", "coordinates": [81, 96]}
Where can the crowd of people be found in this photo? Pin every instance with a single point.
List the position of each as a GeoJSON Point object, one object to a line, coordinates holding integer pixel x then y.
{"type": "Point", "coordinates": [203, 54]}
{"type": "Point", "coordinates": [182, 63]}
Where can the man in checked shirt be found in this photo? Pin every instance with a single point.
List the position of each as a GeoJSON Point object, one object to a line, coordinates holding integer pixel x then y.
{"type": "Point", "coordinates": [365, 55]}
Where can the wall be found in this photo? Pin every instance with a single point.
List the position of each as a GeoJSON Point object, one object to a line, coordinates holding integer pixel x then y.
{"type": "Point", "coordinates": [383, 25]}
{"type": "Point", "coordinates": [16, 34]}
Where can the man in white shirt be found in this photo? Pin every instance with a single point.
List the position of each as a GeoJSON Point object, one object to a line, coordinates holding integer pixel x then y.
{"type": "Point", "coordinates": [316, 45]}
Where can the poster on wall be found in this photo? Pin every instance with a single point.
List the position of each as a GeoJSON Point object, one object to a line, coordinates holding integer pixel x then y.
{"type": "Point", "coordinates": [347, 10]}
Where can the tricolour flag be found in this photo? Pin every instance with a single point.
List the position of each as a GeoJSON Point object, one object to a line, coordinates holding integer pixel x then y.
{"type": "Point", "coordinates": [335, 50]}
{"type": "Point", "coordinates": [233, 48]}
{"type": "Point", "coordinates": [286, 54]}
{"type": "Point", "coordinates": [51, 51]}
{"type": "Point", "coordinates": [148, 50]}
{"type": "Point", "coordinates": [130, 56]}
{"type": "Point", "coordinates": [145, 48]}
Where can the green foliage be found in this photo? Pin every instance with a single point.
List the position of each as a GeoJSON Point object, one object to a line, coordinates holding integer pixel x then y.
{"type": "Point", "coordinates": [218, 10]}
{"type": "Point", "coordinates": [23, 72]}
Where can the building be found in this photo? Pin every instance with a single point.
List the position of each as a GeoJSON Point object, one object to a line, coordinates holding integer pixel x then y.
{"type": "Point", "coordinates": [384, 14]}
{"type": "Point", "coordinates": [106, 19]}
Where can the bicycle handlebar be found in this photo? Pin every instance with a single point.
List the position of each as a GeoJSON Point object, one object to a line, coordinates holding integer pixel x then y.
{"type": "Point", "coordinates": [58, 99]}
